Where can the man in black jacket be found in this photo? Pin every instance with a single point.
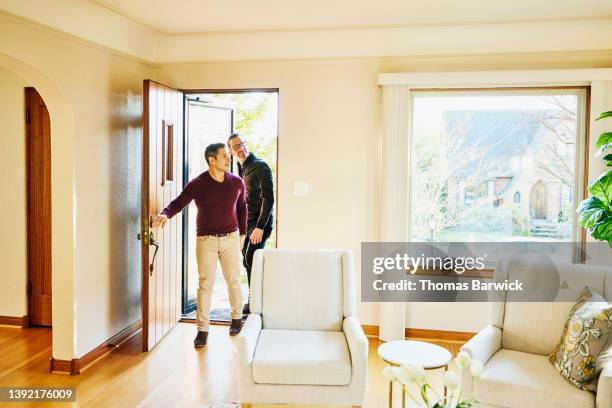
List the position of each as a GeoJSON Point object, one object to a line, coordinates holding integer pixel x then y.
{"type": "Point", "coordinates": [259, 183]}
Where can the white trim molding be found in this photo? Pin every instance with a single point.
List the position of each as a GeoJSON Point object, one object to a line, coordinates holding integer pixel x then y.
{"type": "Point", "coordinates": [492, 79]}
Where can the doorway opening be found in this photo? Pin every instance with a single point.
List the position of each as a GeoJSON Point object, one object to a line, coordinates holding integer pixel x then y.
{"type": "Point", "coordinates": [38, 215]}
{"type": "Point", "coordinates": [210, 117]}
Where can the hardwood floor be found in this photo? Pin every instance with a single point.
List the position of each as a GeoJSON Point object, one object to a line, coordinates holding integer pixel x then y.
{"type": "Point", "coordinates": [173, 374]}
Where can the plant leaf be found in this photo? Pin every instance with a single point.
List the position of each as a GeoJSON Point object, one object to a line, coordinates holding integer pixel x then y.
{"type": "Point", "coordinates": [424, 393]}
{"type": "Point", "coordinates": [590, 211]}
{"type": "Point", "coordinates": [603, 229]}
{"type": "Point", "coordinates": [603, 148]}
{"type": "Point", "coordinates": [604, 115]}
{"type": "Point", "coordinates": [608, 157]}
{"type": "Point", "coordinates": [604, 138]}
{"type": "Point", "coordinates": [602, 187]}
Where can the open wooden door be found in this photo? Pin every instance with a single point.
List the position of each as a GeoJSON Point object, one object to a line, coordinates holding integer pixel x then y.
{"type": "Point", "coordinates": [38, 167]}
{"type": "Point", "coordinates": [162, 181]}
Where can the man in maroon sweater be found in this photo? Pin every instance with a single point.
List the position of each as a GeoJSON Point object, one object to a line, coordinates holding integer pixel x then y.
{"type": "Point", "coordinates": [220, 198]}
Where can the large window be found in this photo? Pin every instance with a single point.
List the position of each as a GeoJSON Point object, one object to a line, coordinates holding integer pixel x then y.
{"type": "Point", "coordinates": [496, 165]}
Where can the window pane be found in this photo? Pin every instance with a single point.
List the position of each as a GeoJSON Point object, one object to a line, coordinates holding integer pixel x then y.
{"type": "Point", "coordinates": [490, 166]}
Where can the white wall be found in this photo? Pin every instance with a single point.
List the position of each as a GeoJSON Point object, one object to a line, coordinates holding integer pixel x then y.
{"type": "Point", "coordinates": [13, 270]}
{"type": "Point", "coordinates": [462, 317]}
{"type": "Point", "coordinates": [328, 137]}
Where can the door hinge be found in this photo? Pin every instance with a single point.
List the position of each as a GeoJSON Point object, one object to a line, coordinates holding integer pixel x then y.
{"type": "Point", "coordinates": [29, 289]}
{"type": "Point", "coordinates": [27, 116]}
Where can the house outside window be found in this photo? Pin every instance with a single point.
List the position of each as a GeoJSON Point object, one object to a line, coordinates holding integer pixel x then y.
{"type": "Point", "coordinates": [497, 165]}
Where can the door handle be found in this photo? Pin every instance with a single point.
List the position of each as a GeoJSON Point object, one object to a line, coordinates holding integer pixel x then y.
{"type": "Point", "coordinates": [153, 242]}
{"type": "Point", "coordinates": [150, 239]}
{"type": "Point", "coordinates": [145, 229]}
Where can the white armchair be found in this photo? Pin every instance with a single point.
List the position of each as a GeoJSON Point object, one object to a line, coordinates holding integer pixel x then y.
{"type": "Point", "coordinates": [516, 344]}
{"type": "Point", "coordinates": [302, 342]}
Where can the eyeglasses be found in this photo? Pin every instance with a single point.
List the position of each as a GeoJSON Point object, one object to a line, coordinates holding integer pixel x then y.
{"type": "Point", "coordinates": [238, 146]}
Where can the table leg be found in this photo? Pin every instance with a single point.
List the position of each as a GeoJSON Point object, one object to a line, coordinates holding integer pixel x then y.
{"type": "Point", "coordinates": [403, 397]}
{"type": "Point", "coordinates": [390, 394]}
{"type": "Point", "coordinates": [444, 396]}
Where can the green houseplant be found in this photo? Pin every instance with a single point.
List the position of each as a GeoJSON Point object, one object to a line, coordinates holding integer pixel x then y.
{"type": "Point", "coordinates": [596, 211]}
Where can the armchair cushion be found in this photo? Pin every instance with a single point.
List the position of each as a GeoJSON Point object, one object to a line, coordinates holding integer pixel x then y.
{"type": "Point", "coordinates": [301, 357]}
{"type": "Point", "coordinates": [585, 335]}
{"type": "Point", "coordinates": [515, 379]}
{"type": "Point", "coordinates": [293, 279]}
{"type": "Point", "coordinates": [534, 327]}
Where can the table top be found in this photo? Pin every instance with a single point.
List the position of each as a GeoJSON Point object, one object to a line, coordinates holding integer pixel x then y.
{"type": "Point", "coordinates": [412, 352]}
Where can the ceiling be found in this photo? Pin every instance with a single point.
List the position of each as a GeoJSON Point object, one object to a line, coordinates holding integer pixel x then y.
{"type": "Point", "coordinates": [205, 16]}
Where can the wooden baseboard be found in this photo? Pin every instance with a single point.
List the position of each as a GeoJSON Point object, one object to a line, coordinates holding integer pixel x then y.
{"type": "Point", "coordinates": [22, 322]}
{"type": "Point", "coordinates": [369, 330]}
{"type": "Point", "coordinates": [447, 335]}
{"type": "Point", "coordinates": [424, 334]}
{"type": "Point", "coordinates": [74, 366]}
{"type": "Point", "coordinates": [64, 366]}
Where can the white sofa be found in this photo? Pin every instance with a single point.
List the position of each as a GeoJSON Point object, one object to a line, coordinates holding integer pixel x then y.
{"type": "Point", "coordinates": [302, 342]}
{"type": "Point", "coordinates": [515, 346]}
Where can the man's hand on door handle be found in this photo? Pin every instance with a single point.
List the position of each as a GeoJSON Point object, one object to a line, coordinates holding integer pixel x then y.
{"type": "Point", "coordinates": [159, 220]}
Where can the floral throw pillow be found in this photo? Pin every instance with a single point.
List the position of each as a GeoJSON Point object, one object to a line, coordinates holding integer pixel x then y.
{"type": "Point", "coordinates": [584, 336]}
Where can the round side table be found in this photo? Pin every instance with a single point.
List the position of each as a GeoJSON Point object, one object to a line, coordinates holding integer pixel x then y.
{"type": "Point", "coordinates": [416, 353]}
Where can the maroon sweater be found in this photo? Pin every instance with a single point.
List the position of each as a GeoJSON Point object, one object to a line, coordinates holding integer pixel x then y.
{"type": "Point", "coordinates": [221, 205]}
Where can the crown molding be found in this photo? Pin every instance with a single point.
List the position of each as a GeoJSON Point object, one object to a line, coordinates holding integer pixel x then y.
{"type": "Point", "coordinates": [583, 35]}
{"type": "Point", "coordinates": [88, 21]}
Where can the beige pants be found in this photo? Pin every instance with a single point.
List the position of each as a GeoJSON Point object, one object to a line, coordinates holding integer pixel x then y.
{"type": "Point", "coordinates": [226, 249]}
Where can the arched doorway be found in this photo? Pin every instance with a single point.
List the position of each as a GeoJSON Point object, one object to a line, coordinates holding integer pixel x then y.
{"type": "Point", "coordinates": [537, 201]}
{"type": "Point", "coordinates": [62, 203]}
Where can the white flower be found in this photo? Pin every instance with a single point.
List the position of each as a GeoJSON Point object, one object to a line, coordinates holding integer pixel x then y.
{"type": "Point", "coordinates": [408, 374]}
{"type": "Point", "coordinates": [477, 369]}
{"type": "Point", "coordinates": [419, 373]}
{"type": "Point", "coordinates": [451, 380]}
{"type": "Point", "coordinates": [463, 360]}
{"type": "Point", "coordinates": [390, 373]}
{"type": "Point", "coordinates": [405, 375]}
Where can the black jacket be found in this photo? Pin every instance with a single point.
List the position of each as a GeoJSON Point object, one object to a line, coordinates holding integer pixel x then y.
{"type": "Point", "coordinates": [259, 183]}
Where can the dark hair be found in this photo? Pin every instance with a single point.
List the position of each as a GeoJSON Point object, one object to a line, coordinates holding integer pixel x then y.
{"type": "Point", "coordinates": [211, 151]}
{"type": "Point", "coordinates": [233, 136]}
